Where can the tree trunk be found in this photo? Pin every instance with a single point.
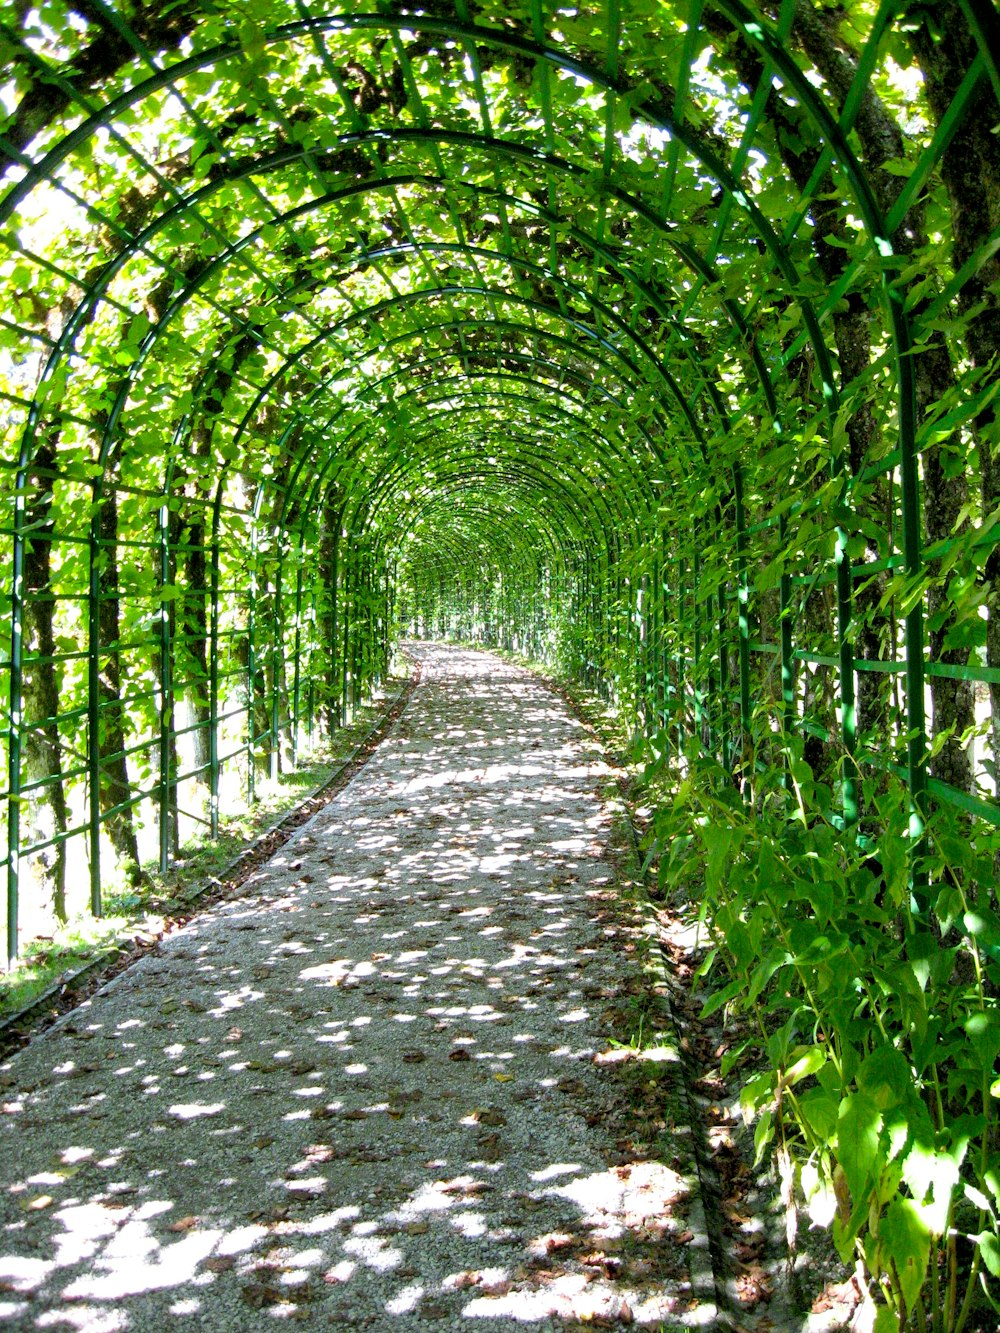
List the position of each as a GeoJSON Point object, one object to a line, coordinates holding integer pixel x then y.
{"type": "Point", "coordinates": [970, 168]}
{"type": "Point", "coordinates": [330, 612]}
{"type": "Point", "coordinates": [945, 489]}
{"type": "Point", "coordinates": [45, 813]}
{"type": "Point", "coordinates": [852, 339]}
{"type": "Point", "coordinates": [115, 790]}
{"type": "Point", "coordinates": [193, 629]}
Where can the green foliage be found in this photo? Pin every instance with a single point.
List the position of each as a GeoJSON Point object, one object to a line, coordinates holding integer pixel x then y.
{"type": "Point", "coordinates": [880, 1025]}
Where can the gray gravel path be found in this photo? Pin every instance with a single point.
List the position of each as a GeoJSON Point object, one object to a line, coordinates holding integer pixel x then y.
{"type": "Point", "coordinates": [364, 1095]}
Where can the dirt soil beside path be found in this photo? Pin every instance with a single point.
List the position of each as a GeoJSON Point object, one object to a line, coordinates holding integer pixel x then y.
{"type": "Point", "coordinates": [365, 1095]}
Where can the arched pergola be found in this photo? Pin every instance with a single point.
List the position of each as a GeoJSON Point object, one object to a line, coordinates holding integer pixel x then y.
{"type": "Point", "coordinates": [639, 326]}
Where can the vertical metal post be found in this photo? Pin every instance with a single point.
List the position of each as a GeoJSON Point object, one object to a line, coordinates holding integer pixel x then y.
{"type": "Point", "coordinates": [679, 665]}
{"type": "Point", "coordinates": [297, 676]}
{"type": "Point", "coordinates": [743, 605]}
{"type": "Point", "coordinates": [785, 629]}
{"type": "Point", "coordinates": [252, 670]}
{"type": "Point", "coordinates": [916, 722]}
{"type": "Point", "coordinates": [656, 662]}
{"type": "Point", "coordinates": [699, 696]}
{"type": "Point", "coordinates": [725, 728]}
{"type": "Point", "coordinates": [277, 644]}
{"type": "Point", "coordinates": [335, 609]}
{"type": "Point", "coordinates": [346, 633]}
{"type": "Point", "coordinates": [14, 748]}
{"type": "Point", "coordinates": [94, 697]}
{"type": "Point", "coordinates": [213, 675]}
{"type": "Point", "coordinates": [845, 653]}
{"type": "Point", "coordinates": [166, 690]}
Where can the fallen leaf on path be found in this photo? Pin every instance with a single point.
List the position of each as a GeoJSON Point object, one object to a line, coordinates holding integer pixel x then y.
{"type": "Point", "coordinates": [753, 1286]}
{"type": "Point", "coordinates": [488, 1115]}
{"type": "Point", "coordinates": [301, 1067]}
{"type": "Point", "coordinates": [258, 1295]}
{"type": "Point", "coordinates": [432, 1310]}
{"type": "Point", "coordinates": [183, 1224]}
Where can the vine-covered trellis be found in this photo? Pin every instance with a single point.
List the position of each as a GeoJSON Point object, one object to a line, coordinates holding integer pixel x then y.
{"type": "Point", "coordinates": [654, 338]}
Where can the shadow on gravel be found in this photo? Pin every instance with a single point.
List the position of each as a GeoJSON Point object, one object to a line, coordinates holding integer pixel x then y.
{"type": "Point", "coordinates": [368, 1097]}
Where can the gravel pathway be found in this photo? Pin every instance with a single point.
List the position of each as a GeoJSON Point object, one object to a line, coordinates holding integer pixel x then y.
{"type": "Point", "coordinates": [365, 1094]}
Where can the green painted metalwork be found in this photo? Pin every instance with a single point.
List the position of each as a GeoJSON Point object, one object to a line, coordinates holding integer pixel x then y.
{"type": "Point", "coordinates": [523, 350]}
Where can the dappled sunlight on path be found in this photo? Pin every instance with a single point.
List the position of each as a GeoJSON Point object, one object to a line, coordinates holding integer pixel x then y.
{"type": "Point", "coordinates": [364, 1095]}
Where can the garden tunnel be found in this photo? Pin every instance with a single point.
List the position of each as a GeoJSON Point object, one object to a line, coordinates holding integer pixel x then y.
{"type": "Point", "coordinates": [655, 339]}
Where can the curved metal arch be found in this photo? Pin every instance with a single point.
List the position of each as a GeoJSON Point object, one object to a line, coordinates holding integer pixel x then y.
{"type": "Point", "coordinates": [377, 488]}
{"type": "Point", "coordinates": [267, 162]}
{"type": "Point", "coordinates": [477, 372]}
{"type": "Point", "coordinates": [364, 186]}
{"type": "Point", "coordinates": [557, 549]}
{"type": "Point", "coordinates": [698, 263]}
{"type": "Point", "coordinates": [383, 481]}
{"type": "Point", "coordinates": [340, 458]}
{"type": "Point", "coordinates": [528, 266]}
{"type": "Point", "coordinates": [582, 487]}
{"type": "Point", "coordinates": [503, 39]}
{"type": "Point", "coordinates": [555, 493]}
{"type": "Point", "coordinates": [406, 298]}
{"type": "Point", "coordinates": [475, 509]}
{"type": "Point", "coordinates": [657, 112]}
{"type": "Point", "coordinates": [346, 323]}
{"type": "Point", "coordinates": [485, 504]}
{"type": "Point", "coordinates": [535, 407]}
{"type": "Point", "coordinates": [364, 498]}
{"type": "Point", "coordinates": [494, 325]}
{"type": "Point", "coordinates": [460, 551]}
{"type": "Point", "coordinates": [425, 565]}
{"type": "Point", "coordinates": [579, 513]}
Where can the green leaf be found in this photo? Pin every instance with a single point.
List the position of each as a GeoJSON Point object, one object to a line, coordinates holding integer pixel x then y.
{"type": "Point", "coordinates": [905, 1241]}
{"type": "Point", "coordinates": [722, 997]}
{"type": "Point", "coordinates": [807, 1061]}
{"type": "Point", "coordinates": [931, 1177]}
{"type": "Point", "coordinates": [898, 166]}
{"type": "Point", "coordinates": [989, 1248]}
{"type": "Point", "coordinates": [858, 1125]}
{"type": "Point", "coordinates": [885, 1321]}
{"type": "Point", "coordinates": [885, 1075]}
{"type": "Point", "coordinates": [820, 1111]}
{"type": "Point", "coordinates": [977, 1197]}
{"type": "Point", "coordinates": [762, 1135]}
